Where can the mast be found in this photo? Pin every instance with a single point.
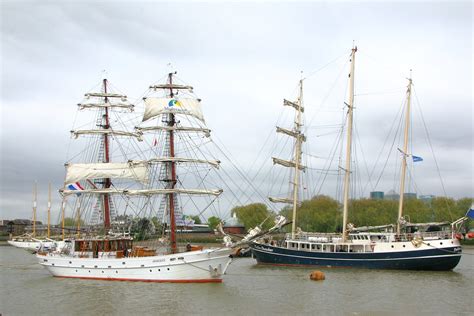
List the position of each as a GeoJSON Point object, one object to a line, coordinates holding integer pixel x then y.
{"type": "Point", "coordinates": [63, 206]}
{"type": "Point", "coordinates": [347, 169]}
{"type": "Point", "coordinates": [172, 166]}
{"type": "Point", "coordinates": [107, 182]}
{"type": "Point", "coordinates": [34, 208]}
{"type": "Point", "coordinates": [297, 160]}
{"type": "Point", "coordinates": [49, 210]}
{"type": "Point", "coordinates": [404, 153]}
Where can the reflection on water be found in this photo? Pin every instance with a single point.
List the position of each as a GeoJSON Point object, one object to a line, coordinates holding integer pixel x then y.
{"type": "Point", "coordinates": [250, 289]}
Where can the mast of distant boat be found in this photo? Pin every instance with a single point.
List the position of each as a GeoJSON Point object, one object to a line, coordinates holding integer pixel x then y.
{"type": "Point", "coordinates": [404, 155]}
{"type": "Point", "coordinates": [347, 169]}
{"type": "Point", "coordinates": [49, 210]}
{"type": "Point", "coordinates": [35, 194]}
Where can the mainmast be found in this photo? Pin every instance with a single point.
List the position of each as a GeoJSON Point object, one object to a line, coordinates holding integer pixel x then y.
{"type": "Point", "coordinates": [49, 210]}
{"type": "Point", "coordinates": [172, 170]}
{"type": "Point", "coordinates": [404, 154]}
{"type": "Point", "coordinates": [107, 182]}
{"type": "Point", "coordinates": [347, 169]}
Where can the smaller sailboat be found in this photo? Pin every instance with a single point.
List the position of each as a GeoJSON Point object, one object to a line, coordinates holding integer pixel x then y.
{"type": "Point", "coordinates": [401, 246]}
{"type": "Point", "coordinates": [30, 242]}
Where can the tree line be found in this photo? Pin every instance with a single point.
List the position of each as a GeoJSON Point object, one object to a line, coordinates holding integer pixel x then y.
{"type": "Point", "coordinates": [324, 214]}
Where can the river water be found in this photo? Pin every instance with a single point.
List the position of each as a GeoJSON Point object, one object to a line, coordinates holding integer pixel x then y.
{"type": "Point", "coordinates": [248, 289]}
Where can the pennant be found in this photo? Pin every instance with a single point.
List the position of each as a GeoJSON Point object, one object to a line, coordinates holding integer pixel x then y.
{"type": "Point", "coordinates": [416, 158]}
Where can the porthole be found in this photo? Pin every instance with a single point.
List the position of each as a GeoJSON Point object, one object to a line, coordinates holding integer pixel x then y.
{"type": "Point", "coordinates": [82, 266]}
{"type": "Point", "coordinates": [150, 270]}
{"type": "Point", "coordinates": [142, 265]}
{"type": "Point", "coordinates": [123, 262]}
{"type": "Point", "coordinates": [110, 267]}
{"type": "Point", "coordinates": [95, 266]}
{"type": "Point", "coordinates": [404, 246]}
{"type": "Point", "coordinates": [52, 264]}
{"type": "Point", "coordinates": [76, 270]}
{"type": "Point", "coordinates": [440, 243]}
{"type": "Point", "coordinates": [392, 246]}
{"type": "Point", "coordinates": [159, 270]}
{"type": "Point", "coordinates": [70, 262]}
{"type": "Point", "coordinates": [116, 271]}
{"type": "Point", "coordinates": [89, 271]}
{"type": "Point", "coordinates": [428, 244]}
{"type": "Point", "coordinates": [168, 269]}
{"type": "Point", "coordinates": [102, 271]}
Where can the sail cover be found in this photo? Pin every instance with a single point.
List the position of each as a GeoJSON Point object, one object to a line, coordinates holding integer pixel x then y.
{"type": "Point", "coordinates": [157, 106]}
{"type": "Point", "coordinates": [129, 170]}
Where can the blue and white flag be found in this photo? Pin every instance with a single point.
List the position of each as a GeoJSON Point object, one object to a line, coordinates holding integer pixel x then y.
{"type": "Point", "coordinates": [416, 158]}
{"type": "Point", "coordinates": [470, 213]}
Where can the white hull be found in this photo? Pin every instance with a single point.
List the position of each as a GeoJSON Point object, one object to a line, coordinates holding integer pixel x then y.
{"type": "Point", "coordinates": [195, 266]}
{"type": "Point", "coordinates": [32, 246]}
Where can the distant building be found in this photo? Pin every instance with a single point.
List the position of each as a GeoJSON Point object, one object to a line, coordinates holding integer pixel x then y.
{"type": "Point", "coordinates": [392, 195]}
{"type": "Point", "coordinates": [17, 226]}
{"type": "Point", "coordinates": [427, 198]}
{"type": "Point", "coordinates": [377, 195]}
{"type": "Point", "coordinates": [409, 196]}
{"type": "Point", "coordinates": [233, 226]}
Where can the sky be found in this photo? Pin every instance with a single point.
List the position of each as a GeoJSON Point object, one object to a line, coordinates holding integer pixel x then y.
{"type": "Point", "coordinates": [242, 58]}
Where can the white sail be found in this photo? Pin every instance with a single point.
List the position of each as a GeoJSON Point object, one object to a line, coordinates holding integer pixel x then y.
{"type": "Point", "coordinates": [206, 131]}
{"type": "Point", "coordinates": [214, 163]}
{"type": "Point", "coordinates": [142, 192]}
{"type": "Point", "coordinates": [105, 132]}
{"type": "Point", "coordinates": [287, 163]}
{"type": "Point", "coordinates": [157, 106]}
{"type": "Point", "coordinates": [105, 105]}
{"type": "Point", "coordinates": [130, 170]}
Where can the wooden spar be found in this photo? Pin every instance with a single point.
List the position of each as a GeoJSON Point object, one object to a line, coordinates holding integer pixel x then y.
{"type": "Point", "coordinates": [78, 219]}
{"type": "Point", "coordinates": [404, 155]}
{"type": "Point", "coordinates": [49, 210]}
{"type": "Point", "coordinates": [107, 183]}
{"type": "Point", "coordinates": [348, 146]}
{"type": "Point", "coordinates": [171, 123]}
{"type": "Point", "coordinates": [35, 194]}
{"type": "Point", "coordinates": [297, 160]}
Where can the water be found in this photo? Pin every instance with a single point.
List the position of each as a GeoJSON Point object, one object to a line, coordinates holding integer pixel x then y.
{"type": "Point", "coordinates": [28, 289]}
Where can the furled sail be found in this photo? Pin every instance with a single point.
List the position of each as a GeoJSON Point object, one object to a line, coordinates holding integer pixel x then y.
{"type": "Point", "coordinates": [129, 170]}
{"type": "Point", "coordinates": [280, 200]}
{"type": "Point", "coordinates": [105, 95]}
{"type": "Point", "coordinates": [143, 192]}
{"type": "Point", "coordinates": [106, 131]}
{"type": "Point", "coordinates": [287, 163]}
{"type": "Point", "coordinates": [214, 163]}
{"type": "Point", "coordinates": [292, 104]}
{"type": "Point", "coordinates": [172, 86]}
{"type": "Point", "coordinates": [290, 133]}
{"type": "Point", "coordinates": [127, 106]}
{"type": "Point", "coordinates": [157, 106]}
{"type": "Point", "coordinates": [206, 131]}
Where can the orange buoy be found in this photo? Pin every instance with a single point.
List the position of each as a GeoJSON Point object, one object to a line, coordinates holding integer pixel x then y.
{"type": "Point", "coordinates": [317, 276]}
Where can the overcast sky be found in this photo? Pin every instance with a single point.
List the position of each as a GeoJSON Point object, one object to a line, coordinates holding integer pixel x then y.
{"type": "Point", "coordinates": [242, 58]}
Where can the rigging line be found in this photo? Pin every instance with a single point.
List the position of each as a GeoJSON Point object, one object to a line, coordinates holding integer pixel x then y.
{"type": "Point", "coordinates": [377, 93]}
{"type": "Point", "coordinates": [364, 159]}
{"type": "Point", "coordinates": [432, 152]}
{"type": "Point", "coordinates": [400, 121]}
{"type": "Point", "coordinates": [239, 171]}
{"type": "Point", "coordinates": [312, 73]}
{"type": "Point", "coordinates": [327, 95]}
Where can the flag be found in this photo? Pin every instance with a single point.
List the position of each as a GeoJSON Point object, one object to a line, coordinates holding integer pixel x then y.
{"type": "Point", "coordinates": [416, 158]}
{"type": "Point", "coordinates": [75, 187]}
{"type": "Point", "coordinates": [470, 213]}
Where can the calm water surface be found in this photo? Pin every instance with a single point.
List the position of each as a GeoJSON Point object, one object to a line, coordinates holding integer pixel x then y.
{"type": "Point", "coordinates": [28, 289]}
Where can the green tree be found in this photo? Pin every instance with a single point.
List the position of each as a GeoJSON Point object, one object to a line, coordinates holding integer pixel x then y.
{"type": "Point", "coordinates": [254, 214]}
{"type": "Point", "coordinates": [213, 221]}
{"type": "Point", "coordinates": [196, 219]}
{"type": "Point", "coordinates": [71, 222]}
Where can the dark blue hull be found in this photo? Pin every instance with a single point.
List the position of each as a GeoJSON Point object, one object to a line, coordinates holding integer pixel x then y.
{"type": "Point", "coordinates": [429, 259]}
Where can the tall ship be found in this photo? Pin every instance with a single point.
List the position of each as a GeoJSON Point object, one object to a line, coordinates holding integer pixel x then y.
{"type": "Point", "coordinates": [122, 170]}
{"type": "Point", "coordinates": [403, 245]}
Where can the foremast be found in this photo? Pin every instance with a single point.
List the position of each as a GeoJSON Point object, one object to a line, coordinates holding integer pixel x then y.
{"type": "Point", "coordinates": [347, 169]}
{"type": "Point", "coordinates": [404, 155]}
{"type": "Point", "coordinates": [296, 163]}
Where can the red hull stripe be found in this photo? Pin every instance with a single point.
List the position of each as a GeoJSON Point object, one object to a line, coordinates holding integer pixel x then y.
{"type": "Point", "coordinates": [145, 280]}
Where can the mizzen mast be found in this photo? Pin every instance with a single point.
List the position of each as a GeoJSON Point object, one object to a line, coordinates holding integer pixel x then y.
{"type": "Point", "coordinates": [172, 170]}
{"type": "Point", "coordinates": [404, 155]}
{"type": "Point", "coordinates": [347, 169]}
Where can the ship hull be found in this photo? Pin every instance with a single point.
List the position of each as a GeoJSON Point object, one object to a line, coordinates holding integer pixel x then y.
{"type": "Point", "coordinates": [434, 259]}
{"type": "Point", "coordinates": [195, 266]}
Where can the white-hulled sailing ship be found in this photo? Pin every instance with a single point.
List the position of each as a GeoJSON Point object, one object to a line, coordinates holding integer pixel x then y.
{"type": "Point", "coordinates": [135, 181]}
{"type": "Point", "coordinates": [401, 246]}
